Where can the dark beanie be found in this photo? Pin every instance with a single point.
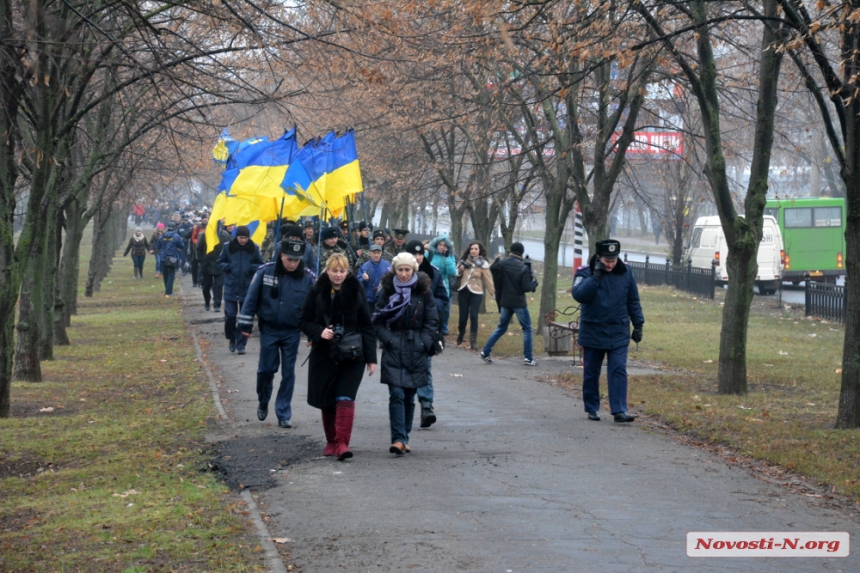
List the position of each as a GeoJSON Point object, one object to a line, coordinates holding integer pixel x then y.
{"type": "Point", "coordinates": [243, 231]}
{"type": "Point", "coordinates": [328, 233]}
{"type": "Point", "coordinates": [517, 248]}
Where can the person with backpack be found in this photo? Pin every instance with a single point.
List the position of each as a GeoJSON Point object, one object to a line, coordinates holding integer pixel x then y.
{"type": "Point", "coordinates": [239, 260]}
{"type": "Point", "coordinates": [170, 246]}
{"type": "Point", "coordinates": [512, 279]}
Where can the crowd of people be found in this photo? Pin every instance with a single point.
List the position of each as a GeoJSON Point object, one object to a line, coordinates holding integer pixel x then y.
{"type": "Point", "coordinates": [349, 291]}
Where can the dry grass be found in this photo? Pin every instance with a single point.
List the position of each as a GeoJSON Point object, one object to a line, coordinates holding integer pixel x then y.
{"type": "Point", "coordinates": [113, 479]}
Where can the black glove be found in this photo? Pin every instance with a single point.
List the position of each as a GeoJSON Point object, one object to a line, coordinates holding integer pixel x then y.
{"type": "Point", "coordinates": [637, 334]}
{"type": "Point", "coordinates": [599, 270]}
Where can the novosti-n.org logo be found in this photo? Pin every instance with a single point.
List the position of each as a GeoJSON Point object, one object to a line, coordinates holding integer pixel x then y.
{"type": "Point", "coordinates": [767, 544]}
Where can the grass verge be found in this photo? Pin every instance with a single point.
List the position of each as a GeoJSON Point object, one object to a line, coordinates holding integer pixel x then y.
{"type": "Point", "coordinates": [103, 465]}
{"type": "Point", "coordinates": [794, 377]}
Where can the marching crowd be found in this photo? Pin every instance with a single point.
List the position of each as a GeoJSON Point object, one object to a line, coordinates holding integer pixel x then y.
{"type": "Point", "coordinates": [351, 291]}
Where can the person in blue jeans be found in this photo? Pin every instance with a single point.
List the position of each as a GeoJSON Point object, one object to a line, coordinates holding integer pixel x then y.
{"type": "Point", "coordinates": [170, 245]}
{"type": "Point", "coordinates": [609, 297]}
{"type": "Point", "coordinates": [512, 279]}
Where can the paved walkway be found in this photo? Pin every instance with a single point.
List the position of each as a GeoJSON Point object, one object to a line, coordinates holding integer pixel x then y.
{"type": "Point", "coordinates": [512, 478]}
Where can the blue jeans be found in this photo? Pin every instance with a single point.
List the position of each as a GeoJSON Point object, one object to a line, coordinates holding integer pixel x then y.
{"type": "Point", "coordinates": [444, 309]}
{"type": "Point", "coordinates": [138, 261]}
{"type": "Point", "coordinates": [278, 348]}
{"type": "Point", "coordinates": [425, 393]}
{"type": "Point", "coordinates": [157, 263]}
{"type": "Point", "coordinates": [401, 411]}
{"type": "Point", "coordinates": [525, 321]}
{"type": "Point", "coordinates": [168, 275]}
{"type": "Point", "coordinates": [616, 374]}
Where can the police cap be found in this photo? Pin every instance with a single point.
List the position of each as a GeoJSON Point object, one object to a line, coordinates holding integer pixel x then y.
{"type": "Point", "coordinates": [293, 249]}
{"type": "Point", "coordinates": [609, 248]}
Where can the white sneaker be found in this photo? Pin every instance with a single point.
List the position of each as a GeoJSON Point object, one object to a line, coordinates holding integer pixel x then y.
{"type": "Point", "coordinates": [485, 358]}
{"type": "Point", "coordinates": [528, 362]}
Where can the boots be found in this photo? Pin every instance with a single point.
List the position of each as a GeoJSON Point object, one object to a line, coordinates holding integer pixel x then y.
{"type": "Point", "coordinates": [136, 273]}
{"type": "Point", "coordinates": [428, 416]}
{"type": "Point", "coordinates": [473, 340]}
{"type": "Point", "coordinates": [328, 419]}
{"type": "Point", "coordinates": [344, 416]}
{"type": "Point", "coordinates": [460, 338]}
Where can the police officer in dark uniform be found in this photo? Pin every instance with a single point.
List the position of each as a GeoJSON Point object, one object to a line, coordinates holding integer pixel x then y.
{"type": "Point", "coordinates": [398, 242]}
{"type": "Point", "coordinates": [610, 302]}
{"type": "Point", "coordinates": [276, 295]}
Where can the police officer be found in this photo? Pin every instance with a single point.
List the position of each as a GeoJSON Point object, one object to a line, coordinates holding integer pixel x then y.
{"type": "Point", "coordinates": [440, 296]}
{"type": "Point", "coordinates": [610, 302]}
{"type": "Point", "coordinates": [398, 242]}
{"type": "Point", "coordinates": [276, 295]}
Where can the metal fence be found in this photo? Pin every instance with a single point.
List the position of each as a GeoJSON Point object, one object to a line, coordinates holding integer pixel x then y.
{"type": "Point", "coordinates": [825, 301]}
{"type": "Point", "coordinates": [699, 282]}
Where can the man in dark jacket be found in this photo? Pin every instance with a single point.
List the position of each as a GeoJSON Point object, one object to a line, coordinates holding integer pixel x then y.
{"type": "Point", "coordinates": [440, 295]}
{"type": "Point", "coordinates": [211, 275]}
{"type": "Point", "coordinates": [239, 260]}
{"type": "Point", "coordinates": [276, 295]}
{"type": "Point", "coordinates": [610, 302]}
{"type": "Point", "coordinates": [512, 279]}
{"type": "Point", "coordinates": [170, 247]}
{"type": "Point", "coordinates": [185, 230]}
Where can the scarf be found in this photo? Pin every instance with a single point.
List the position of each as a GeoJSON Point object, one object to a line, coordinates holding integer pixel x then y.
{"type": "Point", "coordinates": [477, 261]}
{"type": "Point", "coordinates": [397, 302]}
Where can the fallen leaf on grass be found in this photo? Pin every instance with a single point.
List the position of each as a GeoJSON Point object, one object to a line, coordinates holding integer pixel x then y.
{"type": "Point", "coordinates": [813, 335]}
{"type": "Point", "coordinates": [781, 353]}
{"type": "Point", "coordinates": [48, 409]}
{"type": "Point", "coordinates": [127, 493]}
{"type": "Point", "coordinates": [281, 539]}
{"type": "Point", "coordinates": [810, 404]}
{"type": "Point", "coordinates": [707, 361]}
{"type": "Point", "coordinates": [744, 408]}
{"type": "Point", "coordinates": [838, 371]}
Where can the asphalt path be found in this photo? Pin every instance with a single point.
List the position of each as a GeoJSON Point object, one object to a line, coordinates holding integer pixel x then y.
{"type": "Point", "coordinates": [512, 478]}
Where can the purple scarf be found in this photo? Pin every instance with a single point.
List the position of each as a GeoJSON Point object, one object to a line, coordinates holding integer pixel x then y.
{"type": "Point", "coordinates": [398, 302]}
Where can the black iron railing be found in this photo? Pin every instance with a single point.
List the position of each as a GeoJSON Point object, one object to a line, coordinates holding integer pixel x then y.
{"type": "Point", "coordinates": [825, 301]}
{"type": "Point", "coordinates": [699, 282]}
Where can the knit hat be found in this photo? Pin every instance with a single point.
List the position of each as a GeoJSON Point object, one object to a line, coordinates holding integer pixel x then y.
{"type": "Point", "coordinates": [404, 259]}
{"type": "Point", "coordinates": [328, 233]}
{"type": "Point", "coordinates": [517, 249]}
{"type": "Point", "coordinates": [243, 231]}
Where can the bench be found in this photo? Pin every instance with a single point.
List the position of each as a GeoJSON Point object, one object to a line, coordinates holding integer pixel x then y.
{"type": "Point", "coordinates": [560, 333]}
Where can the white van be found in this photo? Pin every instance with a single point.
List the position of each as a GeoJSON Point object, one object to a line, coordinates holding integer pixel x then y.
{"type": "Point", "coordinates": [708, 243]}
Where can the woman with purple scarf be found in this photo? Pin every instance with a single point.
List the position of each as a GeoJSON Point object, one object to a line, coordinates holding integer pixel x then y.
{"type": "Point", "coordinates": [405, 321]}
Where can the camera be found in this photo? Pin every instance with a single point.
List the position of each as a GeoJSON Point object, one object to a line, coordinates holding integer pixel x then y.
{"type": "Point", "coordinates": [338, 332]}
{"type": "Point", "coordinates": [465, 263]}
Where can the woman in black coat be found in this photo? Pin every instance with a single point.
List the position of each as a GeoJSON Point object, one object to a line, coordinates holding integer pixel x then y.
{"type": "Point", "coordinates": [406, 321]}
{"type": "Point", "coordinates": [336, 305]}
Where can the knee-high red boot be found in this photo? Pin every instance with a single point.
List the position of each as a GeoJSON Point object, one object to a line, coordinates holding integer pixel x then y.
{"type": "Point", "coordinates": [344, 416]}
{"type": "Point", "coordinates": [328, 419]}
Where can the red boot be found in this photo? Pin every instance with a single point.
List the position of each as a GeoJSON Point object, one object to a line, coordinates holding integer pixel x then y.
{"type": "Point", "coordinates": [328, 417]}
{"type": "Point", "coordinates": [344, 416]}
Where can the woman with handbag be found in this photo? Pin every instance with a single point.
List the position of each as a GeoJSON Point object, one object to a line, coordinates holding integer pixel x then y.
{"type": "Point", "coordinates": [336, 319]}
{"type": "Point", "coordinates": [474, 272]}
{"type": "Point", "coordinates": [406, 321]}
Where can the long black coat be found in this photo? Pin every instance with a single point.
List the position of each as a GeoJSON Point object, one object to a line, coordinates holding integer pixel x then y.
{"type": "Point", "coordinates": [328, 379]}
{"type": "Point", "coordinates": [407, 340]}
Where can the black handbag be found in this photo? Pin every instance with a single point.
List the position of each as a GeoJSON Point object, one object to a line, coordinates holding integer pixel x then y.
{"type": "Point", "coordinates": [171, 261]}
{"type": "Point", "coordinates": [350, 347]}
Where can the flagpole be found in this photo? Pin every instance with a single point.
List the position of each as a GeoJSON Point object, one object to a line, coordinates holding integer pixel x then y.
{"type": "Point", "coordinates": [277, 238]}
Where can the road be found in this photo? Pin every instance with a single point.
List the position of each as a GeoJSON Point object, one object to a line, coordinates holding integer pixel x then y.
{"type": "Point", "coordinates": [513, 478]}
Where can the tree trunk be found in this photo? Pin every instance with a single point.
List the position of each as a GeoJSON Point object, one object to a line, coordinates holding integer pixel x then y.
{"type": "Point", "coordinates": [558, 207]}
{"type": "Point", "coordinates": [49, 299]}
{"type": "Point", "coordinates": [848, 415]}
{"type": "Point", "coordinates": [70, 262]}
{"type": "Point", "coordinates": [27, 366]}
{"type": "Point", "coordinates": [732, 372]}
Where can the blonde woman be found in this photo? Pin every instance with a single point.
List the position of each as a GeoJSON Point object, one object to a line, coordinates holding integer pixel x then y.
{"type": "Point", "coordinates": [335, 307]}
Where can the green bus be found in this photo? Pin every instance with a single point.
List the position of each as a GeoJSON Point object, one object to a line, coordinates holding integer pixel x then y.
{"type": "Point", "coordinates": [813, 235]}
